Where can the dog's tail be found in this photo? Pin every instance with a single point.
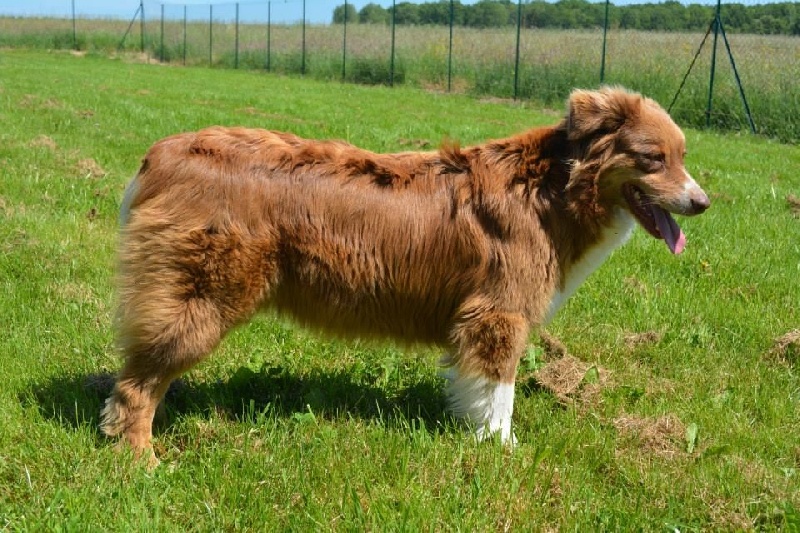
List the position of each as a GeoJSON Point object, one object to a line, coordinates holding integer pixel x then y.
{"type": "Point", "coordinates": [125, 209]}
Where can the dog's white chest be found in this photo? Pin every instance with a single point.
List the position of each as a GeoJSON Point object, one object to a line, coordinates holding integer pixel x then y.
{"type": "Point", "coordinates": [613, 237]}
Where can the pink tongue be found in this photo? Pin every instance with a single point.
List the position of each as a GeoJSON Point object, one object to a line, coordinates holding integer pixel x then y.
{"type": "Point", "coordinates": [669, 229]}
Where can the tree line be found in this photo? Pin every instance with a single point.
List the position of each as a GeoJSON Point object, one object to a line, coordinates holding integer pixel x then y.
{"type": "Point", "coordinates": [776, 18]}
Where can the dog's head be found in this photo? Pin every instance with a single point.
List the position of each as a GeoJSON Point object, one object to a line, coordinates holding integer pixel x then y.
{"type": "Point", "coordinates": [630, 154]}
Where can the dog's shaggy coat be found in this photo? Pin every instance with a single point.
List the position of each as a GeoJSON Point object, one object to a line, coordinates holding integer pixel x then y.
{"type": "Point", "coordinates": [466, 248]}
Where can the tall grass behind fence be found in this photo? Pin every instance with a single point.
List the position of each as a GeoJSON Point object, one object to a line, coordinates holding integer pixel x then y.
{"type": "Point", "coordinates": [507, 62]}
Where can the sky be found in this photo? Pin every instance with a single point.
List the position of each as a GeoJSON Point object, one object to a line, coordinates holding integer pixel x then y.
{"type": "Point", "coordinates": [281, 11]}
{"type": "Point", "coordinates": [317, 11]}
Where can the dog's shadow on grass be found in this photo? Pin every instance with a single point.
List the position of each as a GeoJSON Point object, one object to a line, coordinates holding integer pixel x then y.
{"type": "Point", "coordinates": [76, 400]}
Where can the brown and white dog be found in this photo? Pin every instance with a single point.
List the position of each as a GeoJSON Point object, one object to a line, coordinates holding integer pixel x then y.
{"type": "Point", "coordinates": [466, 248]}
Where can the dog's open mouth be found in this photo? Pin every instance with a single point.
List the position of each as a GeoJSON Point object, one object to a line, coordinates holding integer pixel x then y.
{"type": "Point", "coordinates": [657, 221]}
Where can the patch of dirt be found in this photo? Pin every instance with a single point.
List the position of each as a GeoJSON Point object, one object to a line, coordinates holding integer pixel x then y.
{"type": "Point", "coordinates": [786, 348]}
{"type": "Point", "coordinates": [254, 111]}
{"type": "Point", "coordinates": [416, 144]}
{"type": "Point", "coordinates": [44, 141]}
{"type": "Point", "coordinates": [89, 168]}
{"type": "Point", "coordinates": [794, 204]}
{"type": "Point", "coordinates": [553, 348]}
{"type": "Point", "coordinates": [250, 110]}
{"type": "Point", "coordinates": [633, 340]}
{"type": "Point", "coordinates": [51, 103]}
{"type": "Point", "coordinates": [457, 86]}
{"type": "Point", "coordinates": [27, 100]}
{"type": "Point", "coordinates": [635, 284]}
{"type": "Point", "coordinates": [721, 197]}
{"type": "Point", "coordinates": [572, 381]}
{"type": "Point", "coordinates": [497, 100]}
{"type": "Point", "coordinates": [664, 436]}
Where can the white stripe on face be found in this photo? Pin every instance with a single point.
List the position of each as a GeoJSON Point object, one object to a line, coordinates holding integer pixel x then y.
{"type": "Point", "coordinates": [690, 189]}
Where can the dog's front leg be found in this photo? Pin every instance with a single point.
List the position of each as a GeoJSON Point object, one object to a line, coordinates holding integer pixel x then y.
{"type": "Point", "coordinates": [482, 370]}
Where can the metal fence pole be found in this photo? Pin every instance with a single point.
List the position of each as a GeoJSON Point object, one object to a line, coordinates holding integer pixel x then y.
{"type": "Point", "coordinates": [603, 56]}
{"type": "Point", "coordinates": [713, 65]}
{"type": "Point", "coordinates": [211, 35]}
{"type": "Point", "coordinates": [161, 46]}
{"type": "Point", "coordinates": [450, 52]}
{"type": "Point", "coordinates": [74, 29]}
{"type": "Point", "coordinates": [516, 56]}
{"type": "Point", "coordinates": [269, 27]}
{"type": "Point", "coordinates": [303, 59]}
{"type": "Point", "coordinates": [184, 35]}
{"type": "Point", "coordinates": [128, 31]}
{"type": "Point", "coordinates": [391, 60]}
{"type": "Point", "coordinates": [344, 42]}
{"type": "Point", "coordinates": [236, 40]}
{"type": "Point", "coordinates": [141, 24]}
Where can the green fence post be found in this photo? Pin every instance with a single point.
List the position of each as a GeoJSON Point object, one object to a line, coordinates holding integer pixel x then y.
{"type": "Point", "coordinates": [713, 64]}
{"type": "Point", "coordinates": [74, 29]}
{"type": "Point", "coordinates": [516, 57]}
{"type": "Point", "coordinates": [391, 60]}
{"type": "Point", "coordinates": [141, 24]}
{"type": "Point", "coordinates": [450, 51]}
{"type": "Point", "coordinates": [184, 35]}
{"type": "Point", "coordinates": [603, 56]}
{"type": "Point", "coordinates": [161, 46]}
{"type": "Point", "coordinates": [344, 42]}
{"type": "Point", "coordinates": [269, 27]}
{"type": "Point", "coordinates": [236, 40]}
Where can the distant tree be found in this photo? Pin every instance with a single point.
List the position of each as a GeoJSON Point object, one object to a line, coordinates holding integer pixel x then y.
{"type": "Point", "coordinates": [630, 18]}
{"type": "Point", "coordinates": [698, 17]}
{"type": "Point", "coordinates": [405, 13]}
{"type": "Point", "coordinates": [439, 13]}
{"type": "Point", "coordinates": [576, 14]}
{"type": "Point", "coordinates": [340, 14]}
{"type": "Point", "coordinates": [373, 14]}
{"type": "Point", "coordinates": [670, 15]}
{"type": "Point", "coordinates": [489, 14]}
{"type": "Point", "coordinates": [538, 14]}
{"type": "Point", "coordinates": [770, 24]}
{"type": "Point", "coordinates": [734, 16]}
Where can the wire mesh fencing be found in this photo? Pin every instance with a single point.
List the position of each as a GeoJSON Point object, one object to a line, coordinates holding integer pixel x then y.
{"type": "Point", "coordinates": [732, 68]}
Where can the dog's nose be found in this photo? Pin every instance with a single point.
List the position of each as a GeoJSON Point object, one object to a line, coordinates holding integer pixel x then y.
{"type": "Point", "coordinates": [699, 201]}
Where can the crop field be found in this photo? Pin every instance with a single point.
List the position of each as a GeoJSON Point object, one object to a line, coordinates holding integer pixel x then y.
{"type": "Point", "coordinates": [664, 396]}
{"type": "Point", "coordinates": [481, 62]}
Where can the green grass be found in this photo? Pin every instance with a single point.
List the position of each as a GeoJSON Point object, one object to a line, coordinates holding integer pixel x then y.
{"type": "Point", "coordinates": [280, 429]}
{"type": "Point", "coordinates": [551, 62]}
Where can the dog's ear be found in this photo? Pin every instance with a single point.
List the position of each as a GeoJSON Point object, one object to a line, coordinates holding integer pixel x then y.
{"type": "Point", "coordinates": [593, 113]}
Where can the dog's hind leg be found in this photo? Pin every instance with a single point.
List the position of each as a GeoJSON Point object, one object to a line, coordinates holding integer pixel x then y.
{"type": "Point", "coordinates": [160, 340]}
{"type": "Point", "coordinates": [180, 291]}
{"type": "Point", "coordinates": [488, 346]}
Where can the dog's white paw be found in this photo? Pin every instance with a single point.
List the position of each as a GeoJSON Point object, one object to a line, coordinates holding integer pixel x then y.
{"type": "Point", "coordinates": [486, 405]}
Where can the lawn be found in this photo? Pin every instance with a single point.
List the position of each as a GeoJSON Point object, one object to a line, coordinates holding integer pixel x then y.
{"type": "Point", "coordinates": [665, 395]}
{"type": "Point", "coordinates": [481, 62]}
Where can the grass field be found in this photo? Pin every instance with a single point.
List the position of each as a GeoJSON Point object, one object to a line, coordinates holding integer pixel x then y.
{"type": "Point", "coordinates": [482, 61]}
{"type": "Point", "coordinates": [677, 406]}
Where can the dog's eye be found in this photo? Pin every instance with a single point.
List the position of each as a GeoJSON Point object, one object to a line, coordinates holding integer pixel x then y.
{"type": "Point", "coordinates": [657, 161]}
{"type": "Point", "coordinates": [652, 162]}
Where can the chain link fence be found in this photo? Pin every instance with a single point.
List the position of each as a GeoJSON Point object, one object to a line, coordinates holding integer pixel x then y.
{"type": "Point", "coordinates": [733, 67]}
